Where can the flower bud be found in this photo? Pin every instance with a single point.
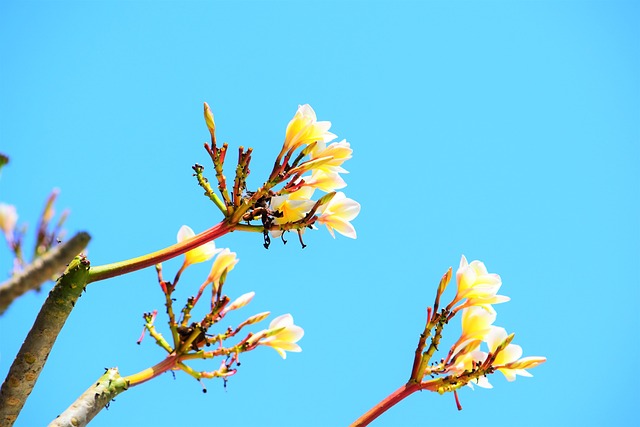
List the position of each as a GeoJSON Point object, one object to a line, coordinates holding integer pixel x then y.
{"type": "Point", "coordinates": [527, 362]}
{"type": "Point", "coordinates": [504, 343]}
{"type": "Point", "coordinates": [208, 118]}
{"type": "Point", "coordinates": [240, 302]}
{"type": "Point", "coordinates": [257, 318]}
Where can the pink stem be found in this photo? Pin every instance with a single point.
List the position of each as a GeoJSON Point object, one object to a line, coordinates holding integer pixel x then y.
{"type": "Point", "coordinates": [107, 271]}
{"type": "Point", "coordinates": [388, 402]}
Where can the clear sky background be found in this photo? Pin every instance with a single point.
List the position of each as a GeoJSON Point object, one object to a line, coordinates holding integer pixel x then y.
{"type": "Point", "coordinates": [507, 131]}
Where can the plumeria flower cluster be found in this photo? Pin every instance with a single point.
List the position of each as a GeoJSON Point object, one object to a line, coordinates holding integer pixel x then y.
{"type": "Point", "coordinates": [309, 160]}
{"type": "Point", "coordinates": [192, 340]}
{"type": "Point", "coordinates": [465, 363]}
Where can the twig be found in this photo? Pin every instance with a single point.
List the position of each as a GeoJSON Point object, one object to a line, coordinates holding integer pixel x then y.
{"type": "Point", "coordinates": [33, 354]}
{"type": "Point", "coordinates": [42, 269]}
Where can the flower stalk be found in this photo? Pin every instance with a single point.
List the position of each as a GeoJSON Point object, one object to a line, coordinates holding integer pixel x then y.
{"type": "Point", "coordinates": [107, 271]}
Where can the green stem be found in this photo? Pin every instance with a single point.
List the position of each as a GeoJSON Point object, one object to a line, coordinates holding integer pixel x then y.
{"type": "Point", "coordinates": [208, 191]}
{"type": "Point", "coordinates": [248, 227]}
{"type": "Point", "coordinates": [439, 321]}
{"type": "Point", "coordinates": [416, 373]}
{"type": "Point", "coordinates": [107, 271]}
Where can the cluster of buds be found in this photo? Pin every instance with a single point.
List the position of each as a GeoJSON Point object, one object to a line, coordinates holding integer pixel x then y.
{"type": "Point", "coordinates": [308, 161]}
{"type": "Point", "coordinates": [46, 236]}
{"type": "Point", "coordinates": [466, 364]}
{"type": "Point", "coordinates": [192, 340]}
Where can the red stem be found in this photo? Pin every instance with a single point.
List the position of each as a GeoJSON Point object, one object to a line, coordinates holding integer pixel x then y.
{"type": "Point", "coordinates": [458, 405]}
{"type": "Point", "coordinates": [107, 271]}
{"type": "Point", "coordinates": [388, 402]}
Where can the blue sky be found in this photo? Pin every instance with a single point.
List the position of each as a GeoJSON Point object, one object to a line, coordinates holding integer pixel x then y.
{"type": "Point", "coordinates": [505, 131]}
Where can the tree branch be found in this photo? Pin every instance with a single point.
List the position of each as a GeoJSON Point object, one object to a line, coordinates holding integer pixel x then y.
{"type": "Point", "coordinates": [33, 354]}
{"type": "Point", "coordinates": [91, 402]}
{"type": "Point", "coordinates": [42, 269]}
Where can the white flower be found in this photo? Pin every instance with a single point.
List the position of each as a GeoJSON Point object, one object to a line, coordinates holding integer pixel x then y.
{"type": "Point", "coordinates": [201, 253]}
{"type": "Point", "coordinates": [304, 129]}
{"type": "Point", "coordinates": [283, 335]}
{"type": "Point", "coordinates": [222, 265]}
{"type": "Point", "coordinates": [338, 213]}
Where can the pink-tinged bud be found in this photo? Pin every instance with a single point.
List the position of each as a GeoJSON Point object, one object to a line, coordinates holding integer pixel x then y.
{"type": "Point", "coordinates": [504, 343]}
{"type": "Point", "coordinates": [256, 318]}
{"type": "Point", "coordinates": [527, 362]}
{"type": "Point", "coordinates": [240, 302]}
{"type": "Point", "coordinates": [208, 118]}
{"type": "Point", "coordinates": [326, 198]}
{"type": "Point", "coordinates": [444, 282]}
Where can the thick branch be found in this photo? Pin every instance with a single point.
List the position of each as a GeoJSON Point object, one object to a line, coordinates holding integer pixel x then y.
{"type": "Point", "coordinates": [42, 269]}
{"type": "Point", "coordinates": [33, 354]}
{"type": "Point", "coordinates": [91, 402]}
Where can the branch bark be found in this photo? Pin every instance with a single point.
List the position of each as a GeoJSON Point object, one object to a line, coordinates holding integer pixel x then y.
{"type": "Point", "coordinates": [91, 402]}
{"type": "Point", "coordinates": [33, 354]}
{"type": "Point", "coordinates": [42, 269]}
